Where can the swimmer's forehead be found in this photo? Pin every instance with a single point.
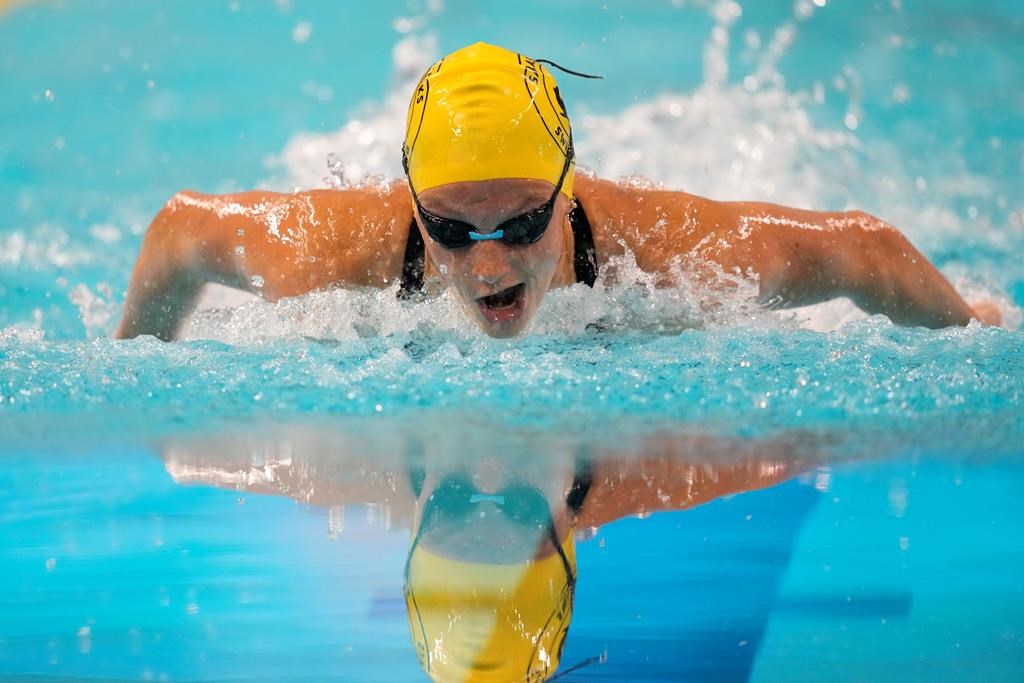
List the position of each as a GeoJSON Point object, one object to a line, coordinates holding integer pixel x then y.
{"type": "Point", "coordinates": [499, 196]}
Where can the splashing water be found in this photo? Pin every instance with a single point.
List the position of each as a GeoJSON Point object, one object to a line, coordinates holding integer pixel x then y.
{"type": "Point", "coordinates": [631, 353]}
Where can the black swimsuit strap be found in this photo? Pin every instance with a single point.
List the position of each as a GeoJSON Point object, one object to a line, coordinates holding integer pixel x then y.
{"type": "Point", "coordinates": [584, 259]}
{"type": "Point", "coordinates": [412, 264]}
{"type": "Point", "coordinates": [580, 485]}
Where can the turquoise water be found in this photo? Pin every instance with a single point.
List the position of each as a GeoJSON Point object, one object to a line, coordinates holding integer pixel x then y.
{"type": "Point", "coordinates": [141, 535]}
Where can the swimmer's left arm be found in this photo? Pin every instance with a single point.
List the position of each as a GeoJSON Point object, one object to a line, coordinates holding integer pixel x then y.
{"type": "Point", "coordinates": [799, 257]}
{"type": "Point", "coordinates": [805, 257]}
{"type": "Point", "coordinates": [640, 486]}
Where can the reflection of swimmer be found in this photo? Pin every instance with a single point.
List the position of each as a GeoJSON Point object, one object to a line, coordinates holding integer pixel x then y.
{"type": "Point", "coordinates": [489, 582]}
{"type": "Point", "coordinates": [491, 570]}
{"type": "Point", "coordinates": [494, 209]}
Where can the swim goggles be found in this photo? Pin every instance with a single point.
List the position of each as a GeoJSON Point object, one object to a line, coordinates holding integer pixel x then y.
{"type": "Point", "coordinates": [455, 499]}
{"type": "Point", "coordinates": [526, 228]}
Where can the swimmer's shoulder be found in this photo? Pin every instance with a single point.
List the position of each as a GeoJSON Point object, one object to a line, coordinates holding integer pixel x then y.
{"type": "Point", "coordinates": [654, 223]}
{"type": "Point", "coordinates": [386, 207]}
{"type": "Point", "coordinates": [356, 236]}
{"type": "Point", "coordinates": [300, 241]}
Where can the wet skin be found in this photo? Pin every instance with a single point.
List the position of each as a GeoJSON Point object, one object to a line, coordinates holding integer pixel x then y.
{"type": "Point", "coordinates": [279, 245]}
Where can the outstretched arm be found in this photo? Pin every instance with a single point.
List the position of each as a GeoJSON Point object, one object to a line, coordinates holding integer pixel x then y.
{"type": "Point", "coordinates": [799, 257]}
{"type": "Point", "coordinates": [183, 249]}
{"type": "Point", "coordinates": [683, 471]}
{"type": "Point", "coordinates": [270, 244]}
{"type": "Point", "coordinates": [804, 257]}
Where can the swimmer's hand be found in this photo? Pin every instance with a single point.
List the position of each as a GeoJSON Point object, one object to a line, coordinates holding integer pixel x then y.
{"type": "Point", "coordinates": [988, 313]}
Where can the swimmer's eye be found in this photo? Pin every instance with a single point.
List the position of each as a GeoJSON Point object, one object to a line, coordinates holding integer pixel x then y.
{"type": "Point", "coordinates": [526, 228]}
{"type": "Point", "coordinates": [447, 232]}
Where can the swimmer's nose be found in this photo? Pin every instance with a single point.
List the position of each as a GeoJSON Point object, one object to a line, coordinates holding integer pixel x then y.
{"type": "Point", "coordinates": [490, 262]}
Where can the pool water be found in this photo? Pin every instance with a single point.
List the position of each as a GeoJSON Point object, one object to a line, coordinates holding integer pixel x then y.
{"type": "Point", "coordinates": [206, 509]}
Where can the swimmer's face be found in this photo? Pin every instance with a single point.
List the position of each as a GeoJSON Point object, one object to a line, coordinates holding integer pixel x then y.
{"type": "Point", "coordinates": [500, 285]}
{"type": "Point", "coordinates": [491, 536]}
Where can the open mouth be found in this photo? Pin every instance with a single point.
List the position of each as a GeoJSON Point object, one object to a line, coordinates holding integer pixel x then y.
{"type": "Point", "coordinates": [503, 306]}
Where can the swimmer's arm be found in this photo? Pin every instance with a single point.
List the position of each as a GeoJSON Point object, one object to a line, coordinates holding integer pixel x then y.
{"type": "Point", "coordinates": [273, 245]}
{"type": "Point", "coordinates": [646, 485]}
{"type": "Point", "coordinates": [339, 476]}
{"type": "Point", "coordinates": [181, 251]}
{"type": "Point", "coordinates": [805, 257]}
{"type": "Point", "coordinates": [689, 470]}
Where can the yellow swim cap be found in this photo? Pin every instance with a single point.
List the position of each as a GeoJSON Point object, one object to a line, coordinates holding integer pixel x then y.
{"type": "Point", "coordinates": [484, 112]}
{"type": "Point", "coordinates": [479, 622]}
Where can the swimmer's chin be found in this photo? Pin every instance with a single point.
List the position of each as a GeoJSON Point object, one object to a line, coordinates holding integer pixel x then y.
{"type": "Point", "coordinates": [503, 332]}
{"type": "Point", "coordinates": [505, 329]}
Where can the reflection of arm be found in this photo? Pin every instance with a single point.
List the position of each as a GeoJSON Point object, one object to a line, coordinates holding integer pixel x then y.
{"type": "Point", "coordinates": [271, 244]}
{"type": "Point", "coordinates": [309, 467]}
{"type": "Point", "coordinates": [681, 478]}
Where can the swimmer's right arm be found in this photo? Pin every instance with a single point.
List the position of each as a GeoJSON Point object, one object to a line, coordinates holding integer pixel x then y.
{"type": "Point", "coordinates": [274, 245]}
{"type": "Point", "coordinates": [169, 272]}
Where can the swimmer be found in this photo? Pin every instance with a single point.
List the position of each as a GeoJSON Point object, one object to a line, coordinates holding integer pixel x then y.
{"type": "Point", "coordinates": [492, 207]}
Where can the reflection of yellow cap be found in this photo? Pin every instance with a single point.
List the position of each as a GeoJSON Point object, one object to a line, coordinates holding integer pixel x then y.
{"type": "Point", "coordinates": [482, 113]}
{"type": "Point", "coordinates": [478, 622]}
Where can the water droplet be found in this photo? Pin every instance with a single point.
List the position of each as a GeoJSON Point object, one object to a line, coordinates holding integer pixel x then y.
{"type": "Point", "coordinates": [302, 31]}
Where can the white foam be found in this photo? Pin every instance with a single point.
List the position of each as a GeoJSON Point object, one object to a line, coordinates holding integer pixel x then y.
{"type": "Point", "coordinates": [331, 315]}
{"type": "Point", "coordinates": [626, 298]}
{"type": "Point", "coordinates": [21, 333]}
{"type": "Point", "coordinates": [96, 309]}
{"type": "Point", "coordinates": [44, 247]}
